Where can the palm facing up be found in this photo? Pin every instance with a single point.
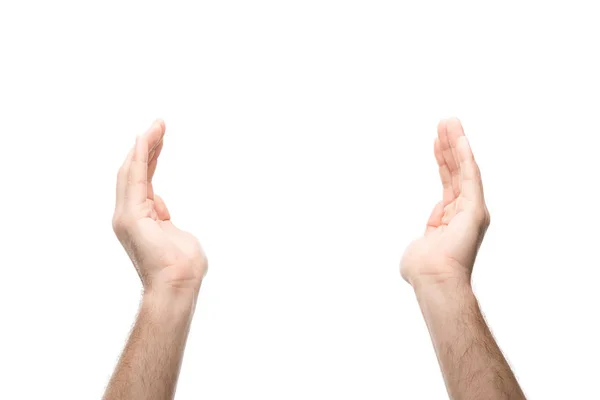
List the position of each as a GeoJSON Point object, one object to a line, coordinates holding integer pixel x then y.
{"type": "Point", "coordinates": [458, 223]}
{"type": "Point", "coordinates": [163, 255]}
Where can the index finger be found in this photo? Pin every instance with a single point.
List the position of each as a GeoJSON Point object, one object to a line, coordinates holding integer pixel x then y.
{"type": "Point", "coordinates": [470, 176]}
{"type": "Point", "coordinates": [136, 190]}
{"type": "Point", "coordinates": [155, 134]}
{"type": "Point", "coordinates": [137, 181]}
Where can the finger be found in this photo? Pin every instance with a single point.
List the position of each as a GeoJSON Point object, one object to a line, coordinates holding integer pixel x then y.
{"type": "Point", "coordinates": [454, 131]}
{"type": "Point", "coordinates": [447, 131]}
{"type": "Point", "coordinates": [445, 176]}
{"type": "Point", "coordinates": [155, 142]}
{"type": "Point", "coordinates": [152, 168]}
{"type": "Point", "coordinates": [122, 179]}
{"type": "Point", "coordinates": [154, 160]}
{"type": "Point", "coordinates": [435, 219]}
{"type": "Point", "coordinates": [470, 176]}
{"type": "Point", "coordinates": [152, 139]}
{"type": "Point", "coordinates": [137, 182]}
{"type": "Point", "coordinates": [161, 209]}
{"type": "Point", "coordinates": [154, 135]}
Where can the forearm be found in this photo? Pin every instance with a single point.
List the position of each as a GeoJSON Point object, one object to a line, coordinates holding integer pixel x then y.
{"type": "Point", "coordinates": [150, 363]}
{"type": "Point", "coordinates": [472, 364]}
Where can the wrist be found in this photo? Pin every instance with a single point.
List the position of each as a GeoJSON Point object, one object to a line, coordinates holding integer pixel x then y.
{"type": "Point", "coordinates": [170, 304]}
{"type": "Point", "coordinates": [449, 288]}
{"type": "Point", "coordinates": [442, 275]}
{"type": "Point", "coordinates": [446, 302]}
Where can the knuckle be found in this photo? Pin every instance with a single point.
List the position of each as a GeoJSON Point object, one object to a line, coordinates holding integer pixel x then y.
{"type": "Point", "coordinates": [488, 219]}
{"type": "Point", "coordinates": [483, 216]}
{"type": "Point", "coordinates": [117, 224]}
{"type": "Point", "coordinates": [203, 260]}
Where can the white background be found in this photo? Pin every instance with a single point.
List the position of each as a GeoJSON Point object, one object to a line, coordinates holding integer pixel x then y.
{"type": "Point", "coordinates": [299, 150]}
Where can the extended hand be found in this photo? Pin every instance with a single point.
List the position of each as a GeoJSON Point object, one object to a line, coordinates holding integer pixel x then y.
{"type": "Point", "coordinates": [458, 223]}
{"type": "Point", "coordinates": [164, 256]}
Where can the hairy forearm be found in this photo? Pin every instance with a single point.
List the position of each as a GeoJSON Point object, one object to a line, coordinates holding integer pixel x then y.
{"type": "Point", "coordinates": [150, 363]}
{"type": "Point", "coordinates": [472, 364]}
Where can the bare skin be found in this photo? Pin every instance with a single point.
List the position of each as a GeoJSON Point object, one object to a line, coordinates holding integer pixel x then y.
{"type": "Point", "coordinates": [171, 266]}
{"type": "Point", "coordinates": [439, 264]}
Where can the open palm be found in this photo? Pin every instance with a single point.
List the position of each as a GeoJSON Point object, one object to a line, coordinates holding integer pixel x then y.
{"type": "Point", "coordinates": [458, 222]}
{"type": "Point", "coordinates": [162, 253]}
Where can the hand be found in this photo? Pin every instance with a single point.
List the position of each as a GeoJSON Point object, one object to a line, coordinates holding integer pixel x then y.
{"type": "Point", "coordinates": [458, 223]}
{"type": "Point", "coordinates": [165, 257]}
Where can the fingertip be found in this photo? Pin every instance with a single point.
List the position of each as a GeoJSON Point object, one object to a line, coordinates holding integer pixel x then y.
{"type": "Point", "coordinates": [154, 134]}
{"type": "Point", "coordinates": [454, 128]}
{"type": "Point", "coordinates": [156, 129]}
{"type": "Point", "coordinates": [453, 121]}
{"type": "Point", "coordinates": [161, 124]}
